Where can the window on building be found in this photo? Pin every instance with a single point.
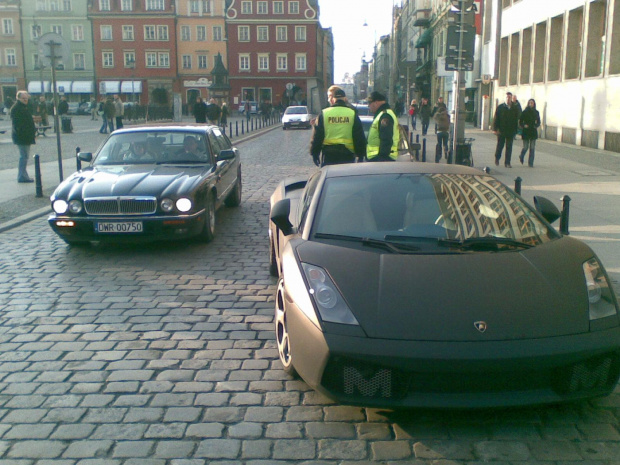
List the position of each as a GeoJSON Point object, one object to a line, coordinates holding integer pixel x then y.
{"type": "Point", "coordinates": [281, 35]}
{"type": "Point", "coordinates": [10, 57]}
{"type": "Point", "coordinates": [129, 59]}
{"type": "Point", "coordinates": [574, 37]}
{"type": "Point", "coordinates": [151, 59]}
{"type": "Point", "coordinates": [149, 33]}
{"type": "Point", "coordinates": [595, 52]}
{"type": "Point", "coordinates": [106, 32]}
{"type": "Point", "coordinates": [186, 35]}
{"type": "Point", "coordinates": [278, 8]}
{"type": "Point", "coordinates": [107, 59]}
{"type": "Point", "coordinates": [155, 5]}
{"type": "Point", "coordinates": [246, 8]}
{"type": "Point", "coordinates": [554, 62]}
{"type": "Point", "coordinates": [127, 5]}
{"type": "Point", "coordinates": [128, 32]}
{"type": "Point", "coordinates": [164, 59]}
{"type": "Point", "coordinates": [194, 6]}
{"type": "Point", "coordinates": [244, 62]}
{"type": "Point", "coordinates": [66, 5]}
{"type": "Point", "coordinates": [201, 33]}
{"type": "Point", "coordinates": [7, 26]}
{"type": "Point", "coordinates": [186, 61]}
{"type": "Point", "coordinates": [79, 61]}
{"type": "Point", "coordinates": [526, 56]}
{"type": "Point", "coordinates": [300, 62]}
{"type": "Point", "coordinates": [514, 59]}
{"type": "Point", "coordinates": [77, 33]}
{"type": "Point", "coordinates": [217, 33]}
{"type": "Point", "coordinates": [35, 62]}
{"type": "Point", "coordinates": [57, 29]}
{"type": "Point", "coordinates": [162, 32]}
{"type": "Point", "coordinates": [53, 5]}
{"type": "Point", "coordinates": [614, 61]}
{"type": "Point", "coordinates": [104, 5]}
{"type": "Point", "coordinates": [540, 42]}
{"type": "Point", "coordinates": [40, 6]}
{"type": "Point", "coordinates": [262, 33]}
{"type": "Point", "coordinates": [503, 61]}
{"type": "Point", "coordinates": [35, 31]}
{"type": "Point", "coordinates": [202, 61]}
{"type": "Point", "coordinates": [261, 8]}
{"type": "Point", "coordinates": [300, 33]}
{"type": "Point", "coordinates": [206, 6]}
{"type": "Point", "coordinates": [282, 62]}
{"type": "Point", "coordinates": [244, 33]}
{"type": "Point", "coordinates": [263, 62]}
{"type": "Point", "coordinates": [293, 8]}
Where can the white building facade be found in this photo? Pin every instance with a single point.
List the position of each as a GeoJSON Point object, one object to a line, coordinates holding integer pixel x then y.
{"type": "Point", "coordinates": [565, 54]}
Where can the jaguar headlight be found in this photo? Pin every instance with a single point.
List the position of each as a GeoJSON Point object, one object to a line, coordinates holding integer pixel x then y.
{"type": "Point", "coordinates": [60, 206]}
{"type": "Point", "coordinates": [75, 207]}
{"type": "Point", "coordinates": [600, 296]}
{"type": "Point", "coordinates": [184, 205]}
{"type": "Point", "coordinates": [167, 205]}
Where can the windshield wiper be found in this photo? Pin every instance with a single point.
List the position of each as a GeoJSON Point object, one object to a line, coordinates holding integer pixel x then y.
{"type": "Point", "coordinates": [395, 247]}
{"type": "Point", "coordinates": [484, 243]}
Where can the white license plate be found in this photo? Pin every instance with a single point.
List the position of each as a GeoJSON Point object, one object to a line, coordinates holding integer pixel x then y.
{"type": "Point", "coordinates": [119, 227]}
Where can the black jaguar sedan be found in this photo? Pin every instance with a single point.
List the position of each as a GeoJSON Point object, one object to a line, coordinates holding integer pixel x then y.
{"type": "Point", "coordinates": [149, 183]}
{"type": "Point", "coordinates": [432, 285]}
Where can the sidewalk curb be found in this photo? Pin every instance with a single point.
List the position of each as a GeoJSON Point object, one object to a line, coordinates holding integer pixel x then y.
{"type": "Point", "coordinates": [33, 215]}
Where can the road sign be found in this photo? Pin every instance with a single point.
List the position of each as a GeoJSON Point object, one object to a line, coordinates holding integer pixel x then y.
{"type": "Point", "coordinates": [466, 64]}
{"type": "Point", "coordinates": [461, 39]}
{"type": "Point", "coordinates": [462, 4]}
{"type": "Point", "coordinates": [461, 17]}
{"type": "Point", "coordinates": [53, 42]}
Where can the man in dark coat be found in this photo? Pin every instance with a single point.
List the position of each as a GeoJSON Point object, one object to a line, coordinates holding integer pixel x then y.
{"type": "Point", "coordinates": [505, 126]}
{"type": "Point", "coordinates": [200, 111]}
{"type": "Point", "coordinates": [425, 115]}
{"type": "Point", "coordinates": [23, 133]}
{"type": "Point", "coordinates": [213, 112]}
{"type": "Point", "coordinates": [63, 106]}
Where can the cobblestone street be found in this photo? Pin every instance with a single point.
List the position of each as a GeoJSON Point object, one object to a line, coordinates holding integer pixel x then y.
{"type": "Point", "coordinates": [164, 354]}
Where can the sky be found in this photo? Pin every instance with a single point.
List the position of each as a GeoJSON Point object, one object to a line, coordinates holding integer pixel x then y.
{"type": "Point", "coordinates": [351, 38]}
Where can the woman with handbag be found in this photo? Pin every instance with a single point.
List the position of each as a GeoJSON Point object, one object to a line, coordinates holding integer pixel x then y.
{"type": "Point", "coordinates": [529, 121]}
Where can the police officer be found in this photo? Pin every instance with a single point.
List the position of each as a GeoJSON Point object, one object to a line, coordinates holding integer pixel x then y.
{"type": "Point", "coordinates": [338, 134]}
{"type": "Point", "coordinates": [384, 135]}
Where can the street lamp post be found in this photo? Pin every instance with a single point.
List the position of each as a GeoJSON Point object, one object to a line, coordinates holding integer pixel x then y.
{"type": "Point", "coordinates": [132, 64]}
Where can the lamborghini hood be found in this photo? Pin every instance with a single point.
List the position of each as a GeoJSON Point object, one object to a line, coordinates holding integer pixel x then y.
{"type": "Point", "coordinates": [524, 294]}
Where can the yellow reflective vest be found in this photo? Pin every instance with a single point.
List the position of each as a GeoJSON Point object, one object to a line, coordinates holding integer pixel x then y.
{"type": "Point", "coordinates": [372, 149]}
{"type": "Point", "coordinates": [338, 123]}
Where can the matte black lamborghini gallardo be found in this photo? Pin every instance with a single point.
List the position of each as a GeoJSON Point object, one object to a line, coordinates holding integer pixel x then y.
{"type": "Point", "coordinates": [406, 284]}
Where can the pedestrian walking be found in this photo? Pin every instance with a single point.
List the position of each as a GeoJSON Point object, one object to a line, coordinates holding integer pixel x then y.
{"type": "Point", "coordinates": [338, 135]}
{"type": "Point", "coordinates": [505, 126]}
{"type": "Point", "coordinates": [93, 109]}
{"type": "Point", "coordinates": [384, 133]}
{"type": "Point", "coordinates": [213, 112]}
{"type": "Point", "coordinates": [119, 111]}
{"type": "Point", "coordinates": [517, 104]}
{"type": "Point", "coordinates": [224, 115]}
{"type": "Point", "coordinates": [23, 133]}
{"type": "Point", "coordinates": [425, 115]}
{"type": "Point", "coordinates": [109, 111]}
{"type": "Point", "coordinates": [101, 112]}
{"type": "Point", "coordinates": [247, 108]}
{"type": "Point", "coordinates": [42, 110]}
{"type": "Point", "coordinates": [438, 105]}
{"type": "Point", "coordinates": [200, 111]}
{"type": "Point", "coordinates": [63, 106]}
{"type": "Point", "coordinates": [442, 123]}
{"type": "Point", "coordinates": [413, 113]}
{"type": "Point", "coordinates": [529, 121]}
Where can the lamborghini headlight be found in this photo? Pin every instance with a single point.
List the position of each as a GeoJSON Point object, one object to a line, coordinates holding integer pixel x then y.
{"type": "Point", "coordinates": [600, 295]}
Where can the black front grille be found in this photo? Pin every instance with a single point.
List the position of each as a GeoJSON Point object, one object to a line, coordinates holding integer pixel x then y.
{"type": "Point", "coordinates": [120, 206]}
{"type": "Point", "coordinates": [597, 373]}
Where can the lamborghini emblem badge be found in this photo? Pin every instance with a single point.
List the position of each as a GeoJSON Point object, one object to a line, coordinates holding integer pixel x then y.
{"type": "Point", "coordinates": [480, 326]}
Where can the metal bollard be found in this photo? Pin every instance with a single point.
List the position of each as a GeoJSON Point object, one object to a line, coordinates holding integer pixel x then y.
{"type": "Point", "coordinates": [237, 128]}
{"type": "Point", "coordinates": [486, 169]}
{"type": "Point", "coordinates": [230, 129]}
{"type": "Point", "coordinates": [37, 176]}
{"type": "Point", "coordinates": [518, 185]}
{"type": "Point", "coordinates": [565, 213]}
{"type": "Point", "coordinates": [78, 162]}
{"type": "Point", "coordinates": [252, 124]}
{"type": "Point", "coordinates": [417, 152]}
{"type": "Point", "coordinates": [424, 150]}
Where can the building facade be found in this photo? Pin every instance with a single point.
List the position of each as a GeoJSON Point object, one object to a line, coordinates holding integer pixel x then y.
{"type": "Point", "coordinates": [273, 52]}
{"type": "Point", "coordinates": [11, 58]}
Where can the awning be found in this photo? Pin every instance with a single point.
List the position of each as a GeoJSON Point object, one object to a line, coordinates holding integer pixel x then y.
{"type": "Point", "coordinates": [425, 38]}
{"type": "Point", "coordinates": [34, 87]}
{"type": "Point", "coordinates": [63, 86]}
{"type": "Point", "coordinates": [82, 87]}
{"type": "Point", "coordinates": [109, 87]}
{"type": "Point", "coordinates": [131, 87]}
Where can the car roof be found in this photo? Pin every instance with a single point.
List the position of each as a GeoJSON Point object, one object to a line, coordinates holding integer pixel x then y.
{"type": "Point", "coordinates": [397, 167]}
{"type": "Point", "coordinates": [297, 106]}
{"type": "Point", "coordinates": [167, 127]}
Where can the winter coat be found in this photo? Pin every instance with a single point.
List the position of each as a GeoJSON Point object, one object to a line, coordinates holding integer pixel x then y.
{"type": "Point", "coordinates": [530, 118]}
{"type": "Point", "coordinates": [506, 120]}
{"type": "Point", "coordinates": [200, 112]}
{"type": "Point", "coordinates": [23, 125]}
{"type": "Point", "coordinates": [442, 118]}
{"type": "Point", "coordinates": [425, 112]}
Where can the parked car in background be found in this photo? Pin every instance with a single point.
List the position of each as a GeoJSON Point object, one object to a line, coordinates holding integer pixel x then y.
{"type": "Point", "coordinates": [84, 108]}
{"type": "Point", "coordinates": [73, 108]}
{"type": "Point", "coordinates": [149, 183]}
{"type": "Point", "coordinates": [362, 109]}
{"type": "Point", "coordinates": [432, 285]}
{"type": "Point", "coordinates": [297, 117]}
{"type": "Point", "coordinates": [253, 107]}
